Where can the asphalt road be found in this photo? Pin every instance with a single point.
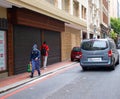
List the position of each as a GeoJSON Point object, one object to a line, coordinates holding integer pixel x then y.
{"type": "Point", "coordinates": [71, 83]}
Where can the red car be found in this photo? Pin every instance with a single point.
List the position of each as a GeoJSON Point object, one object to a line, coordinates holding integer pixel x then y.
{"type": "Point", "coordinates": [75, 53]}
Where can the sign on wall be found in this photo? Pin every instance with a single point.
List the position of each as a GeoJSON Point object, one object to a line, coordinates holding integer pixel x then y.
{"type": "Point", "coordinates": [2, 50]}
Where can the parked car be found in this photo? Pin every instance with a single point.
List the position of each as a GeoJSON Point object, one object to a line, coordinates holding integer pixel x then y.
{"type": "Point", "coordinates": [98, 53]}
{"type": "Point", "coordinates": [75, 53]}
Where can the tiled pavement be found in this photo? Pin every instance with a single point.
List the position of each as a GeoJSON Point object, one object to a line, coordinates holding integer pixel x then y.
{"type": "Point", "coordinates": [20, 79]}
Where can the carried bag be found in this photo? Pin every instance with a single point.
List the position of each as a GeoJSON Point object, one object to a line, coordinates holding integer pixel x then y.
{"type": "Point", "coordinates": [29, 67]}
{"type": "Point", "coordinates": [43, 51]}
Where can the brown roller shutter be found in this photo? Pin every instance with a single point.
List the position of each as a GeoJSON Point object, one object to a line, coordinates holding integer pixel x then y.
{"type": "Point", "coordinates": [53, 40]}
{"type": "Point", "coordinates": [24, 38]}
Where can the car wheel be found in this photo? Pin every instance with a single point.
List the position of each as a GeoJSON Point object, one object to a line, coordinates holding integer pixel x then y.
{"type": "Point", "coordinates": [72, 59]}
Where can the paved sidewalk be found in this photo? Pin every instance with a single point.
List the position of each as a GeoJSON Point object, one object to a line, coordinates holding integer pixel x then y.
{"type": "Point", "coordinates": [17, 80]}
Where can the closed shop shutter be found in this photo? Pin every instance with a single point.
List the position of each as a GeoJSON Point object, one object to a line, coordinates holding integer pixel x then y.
{"type": "Point", "coordinates": [53, 40]}
{"type": "Point", "coordinates": [24, 38]}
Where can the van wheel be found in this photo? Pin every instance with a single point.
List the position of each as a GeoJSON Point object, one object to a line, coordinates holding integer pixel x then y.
{"type": "Point", "coordinates": [113, 66]}
{"type": "Point", "coordinates": [117, 61]}
{"type": "Point", "coordinates": [84, 68]}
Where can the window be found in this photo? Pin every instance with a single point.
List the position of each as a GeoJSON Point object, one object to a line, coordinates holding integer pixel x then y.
{"type": "Point", "coordinates": [112, 45]}
{"type": "Point", "coordinates": [75, 8]}
{"type": "Point", "coordinates": [65, 5]}
{"type": "Point", "coordinates": [94, 45]}
{"type": "Point", "coordinates": [83, 12]}
{"type": "Point", "coordinates": [76, 49]}
{"type": "Point", "coordinates": [51, 2]}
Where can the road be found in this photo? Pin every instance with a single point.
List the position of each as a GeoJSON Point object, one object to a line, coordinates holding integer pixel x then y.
{"type": "Point", "coordinates": [71, 83]}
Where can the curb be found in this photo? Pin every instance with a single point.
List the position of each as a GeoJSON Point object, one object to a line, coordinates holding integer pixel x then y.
{"type": "Point", "coordinates": [20, 83]}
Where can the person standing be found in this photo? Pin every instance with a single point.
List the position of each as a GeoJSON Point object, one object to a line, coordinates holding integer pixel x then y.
{"type": "Point", "coordinates": [35, 60]}
{"type": "Point", "coordinates": [44, 53]}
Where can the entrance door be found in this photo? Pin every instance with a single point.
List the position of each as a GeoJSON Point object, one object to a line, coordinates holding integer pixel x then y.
{"type": "Point", "coordinates": [84, 35]}
{"type": "Point", "coordinates": [91, 36]}
{"type": "Point", "coordinates": [24, 38]}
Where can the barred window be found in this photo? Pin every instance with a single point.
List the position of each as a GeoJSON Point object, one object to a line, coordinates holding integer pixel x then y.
{"type": "Point", "coordinates": [3, 23]}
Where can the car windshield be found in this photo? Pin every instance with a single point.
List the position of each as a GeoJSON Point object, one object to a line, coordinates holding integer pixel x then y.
{"type": "Point", "coordinates": [76, 49]}
{"type": "Point", "coordinates": [94, 45]}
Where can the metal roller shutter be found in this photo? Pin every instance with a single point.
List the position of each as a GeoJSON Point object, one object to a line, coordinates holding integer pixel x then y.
{"type": "Point", "coordinates": [24, 38]}
{"type": "Point", "coordinates": [53, 40]}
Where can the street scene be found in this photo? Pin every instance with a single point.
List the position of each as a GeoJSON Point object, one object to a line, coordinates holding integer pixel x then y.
{"type": "Point", "coordinates": [71, 83]}
{"type": "Point", "coordinates": [59, 49]}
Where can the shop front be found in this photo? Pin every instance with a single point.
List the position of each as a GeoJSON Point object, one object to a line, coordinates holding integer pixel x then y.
{"type": "Point", "coordinates": [26, 27]}
{"type": "Point", "coordinates": [104, 31]}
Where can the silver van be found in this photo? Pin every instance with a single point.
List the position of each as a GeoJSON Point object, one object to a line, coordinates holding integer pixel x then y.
{"type": "Point", "coordinates": [98, 53]}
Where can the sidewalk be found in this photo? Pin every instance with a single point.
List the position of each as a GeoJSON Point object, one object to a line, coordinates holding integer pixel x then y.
{"type": "Point", "coordinates": [20, 79]}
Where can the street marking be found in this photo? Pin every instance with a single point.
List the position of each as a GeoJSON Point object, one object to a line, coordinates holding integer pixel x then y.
{"type": "Point", "coordinates": [36, 81]}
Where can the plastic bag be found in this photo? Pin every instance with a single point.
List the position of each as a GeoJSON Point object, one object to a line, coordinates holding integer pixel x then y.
{"type": "Point", "coordinates": [29, 68]}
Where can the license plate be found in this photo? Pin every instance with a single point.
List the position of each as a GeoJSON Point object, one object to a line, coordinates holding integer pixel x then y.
{"type": "Point", "coordinates": [94, 59]}
{"type": "Point", "coordinates": [77, 56]}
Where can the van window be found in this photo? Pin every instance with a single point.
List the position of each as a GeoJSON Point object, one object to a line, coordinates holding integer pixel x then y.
{"type": "Point", "coordinates": [94, 45]}
{"type": "Point", "coordinates": [112, 45]}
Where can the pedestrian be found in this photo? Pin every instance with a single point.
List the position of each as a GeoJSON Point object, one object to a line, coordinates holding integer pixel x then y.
{"type": "Point", "coordinates": [35, 60]}
{"type": "Point", "coordinates": [44, 53]}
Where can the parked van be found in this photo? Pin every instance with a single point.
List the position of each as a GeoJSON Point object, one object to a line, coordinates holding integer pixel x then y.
{"type": "Point", "coordinates": [98, 53]}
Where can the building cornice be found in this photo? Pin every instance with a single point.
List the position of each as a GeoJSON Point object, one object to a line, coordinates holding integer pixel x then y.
{"type": "Point", "coordinates": [43, 7]}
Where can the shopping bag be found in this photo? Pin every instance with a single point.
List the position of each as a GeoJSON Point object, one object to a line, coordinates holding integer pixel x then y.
{"type": "Point", "coordinates": [29, 68]}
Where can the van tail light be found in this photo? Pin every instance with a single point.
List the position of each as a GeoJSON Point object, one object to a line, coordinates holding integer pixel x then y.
{"type": "Point", "coordinates": [80, 54]}
{"type": "Point", "coordinates": [110, 53]}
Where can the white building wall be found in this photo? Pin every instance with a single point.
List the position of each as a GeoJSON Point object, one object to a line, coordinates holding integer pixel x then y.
{"type": "Point", "coordinates": [93, 20]}
{"type": "Point", "coordinates": [59, 4]}
{"type": "Point", "coordinates": [71, 7]}
{"type": "Point", "coordinates": [113, 8]}
{"type": "Point", "coordinates": [81, 2]}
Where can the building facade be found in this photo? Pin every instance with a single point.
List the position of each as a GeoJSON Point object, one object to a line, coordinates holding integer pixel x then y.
{"type": "Point", "coordinates": [61, 23]}
{"type": "Point", "coordinates": [105, 18]}
{"type": "Point", "coordinates": [114, 8]}
{"type": "Point", "coordinates": [98, 19]}
{"type": "Point", "coordinates": [118, 8]}
{"type": "Point", "coordinates": [94, 18]}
